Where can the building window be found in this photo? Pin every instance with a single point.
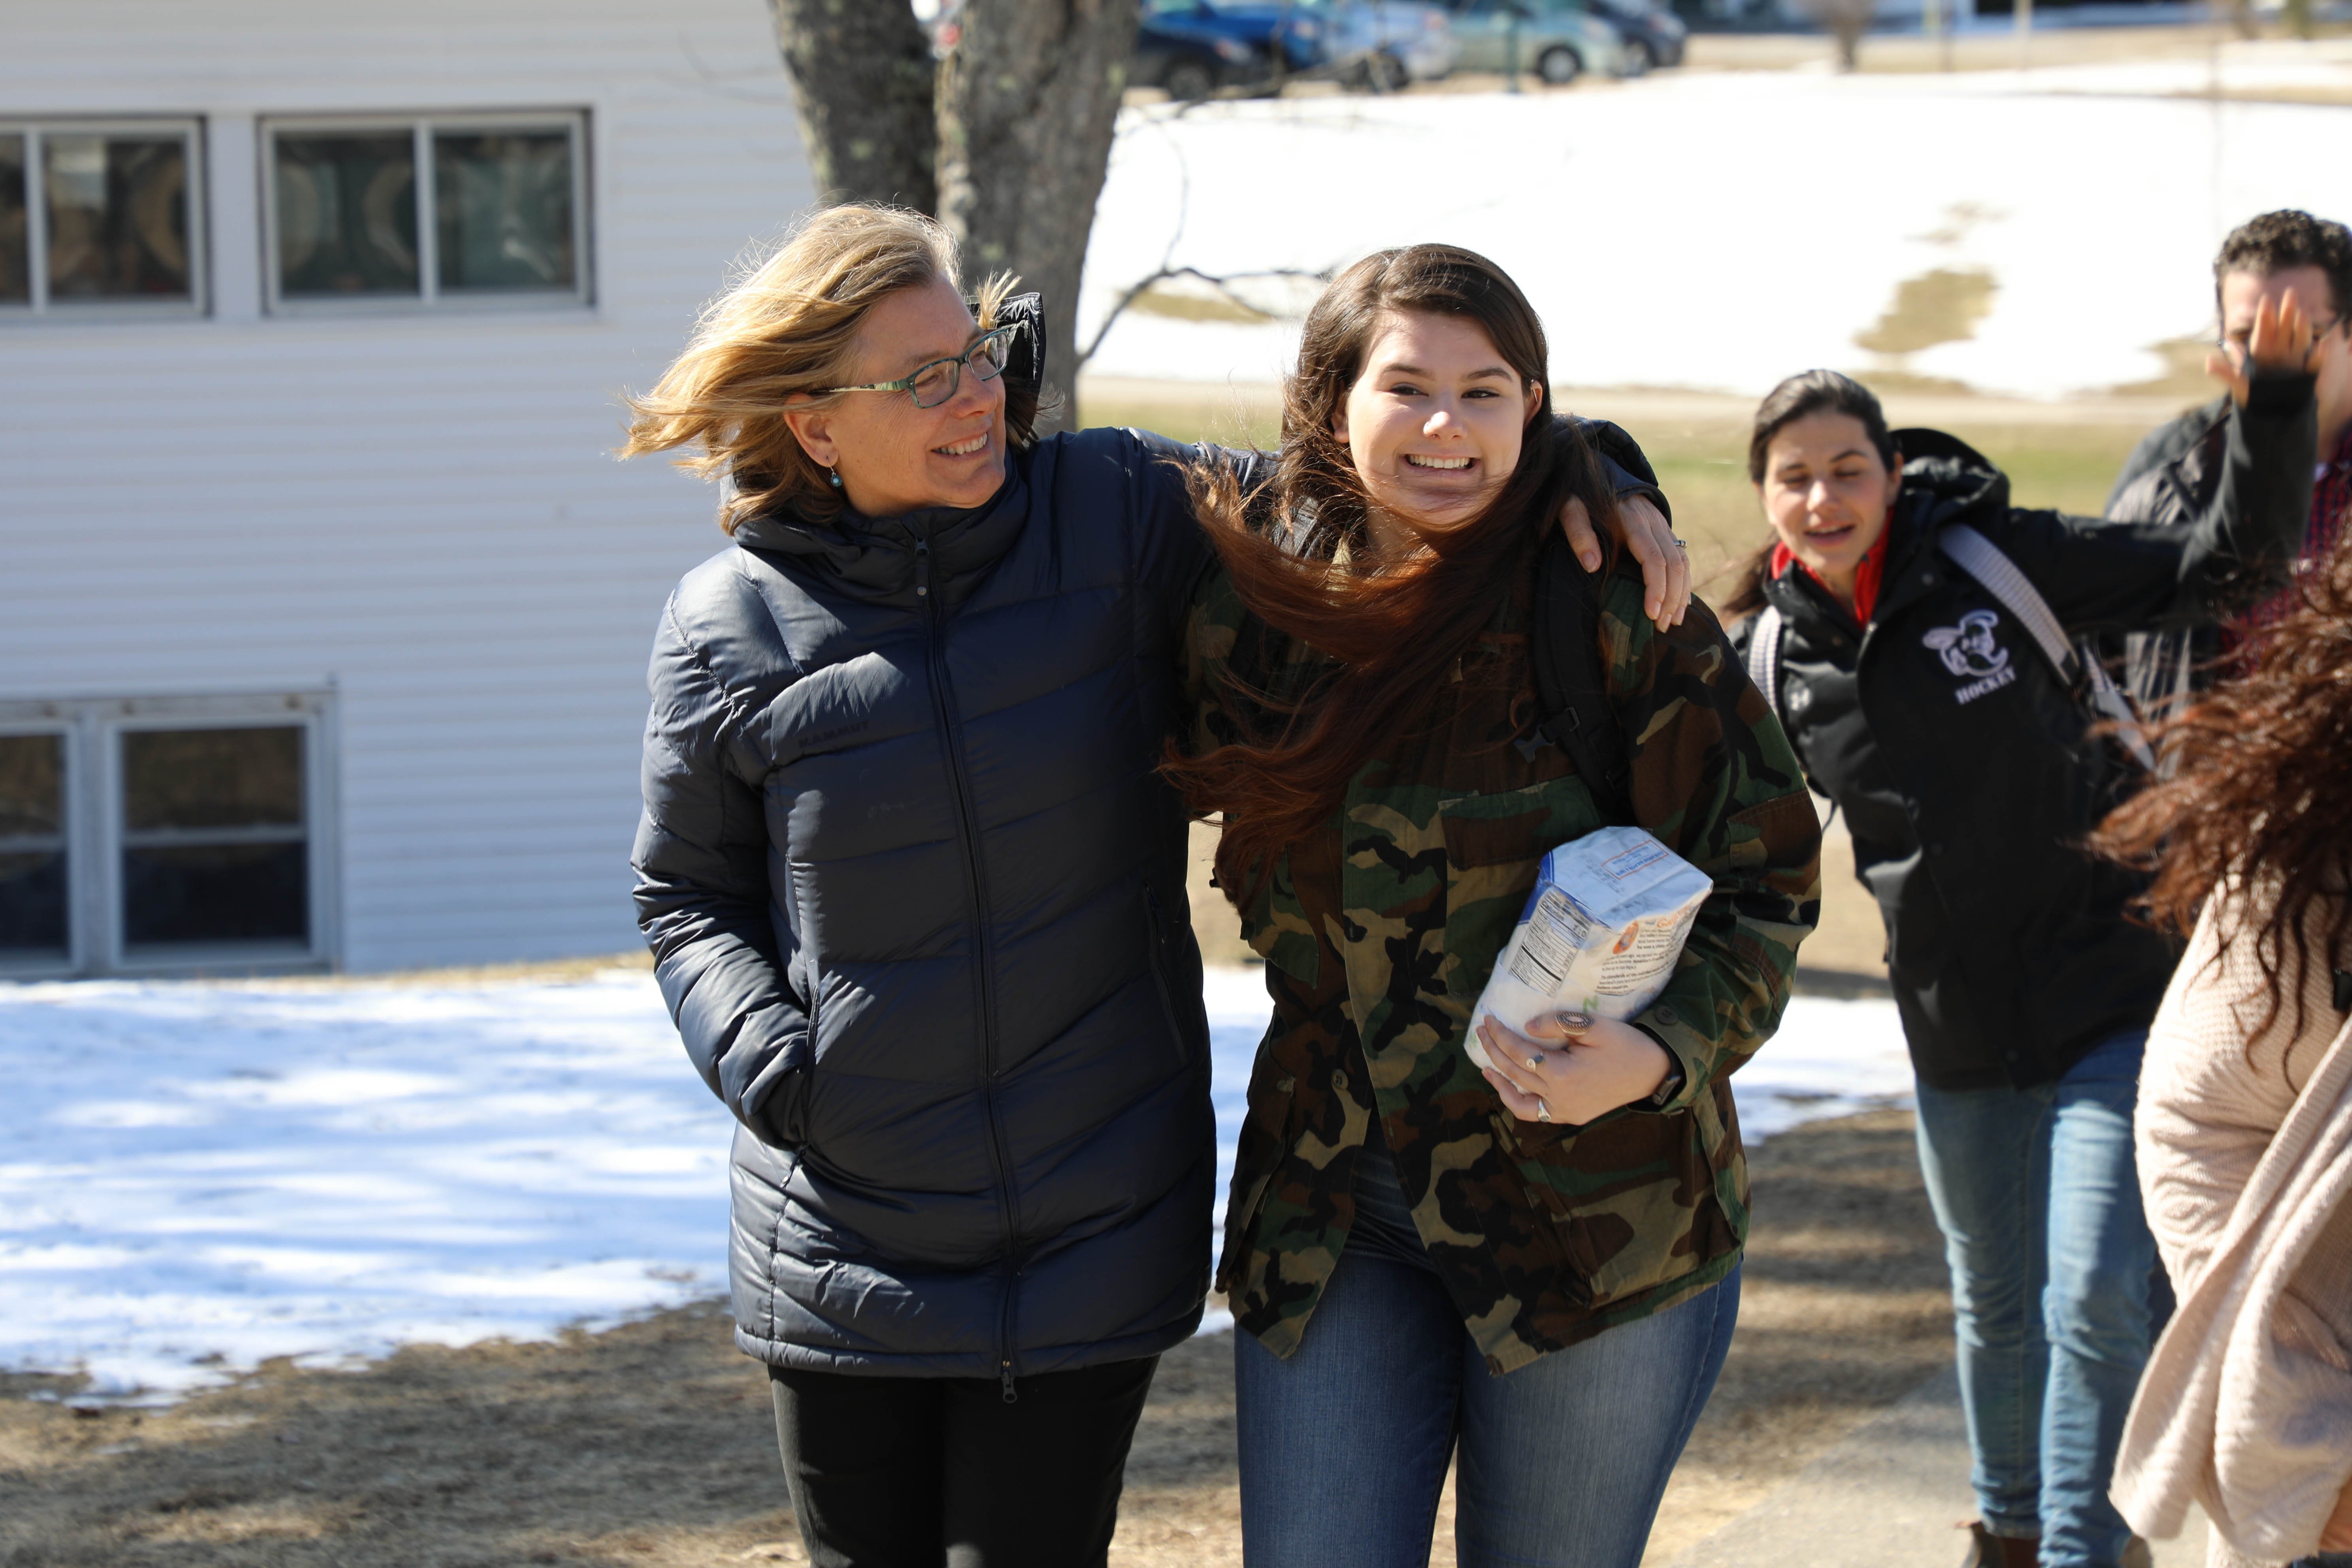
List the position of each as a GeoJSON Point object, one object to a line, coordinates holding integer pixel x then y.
{"type": "Point", "coordinates": [100, 215]}
{"type": "Point", "coordinates": [33, 924]}
{"type": "Point", "coordinates": [145, 835]}
{"type": "Point", "coordinates": [445, 211]}
{"type": "Point", "coordinates": [215, 837]}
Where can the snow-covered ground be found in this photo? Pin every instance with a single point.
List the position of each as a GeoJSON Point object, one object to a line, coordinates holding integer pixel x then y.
{"type": "Point", "coordinates": [196, 1177]}
{"type": "Point", "coordinates": [1723, 230]}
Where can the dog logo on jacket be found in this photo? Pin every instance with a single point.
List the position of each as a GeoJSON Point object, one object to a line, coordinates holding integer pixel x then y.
{"type": "Point", "coordinates": [1971, 651]}
{"type": "Point", "coordinates": [1968, 649]}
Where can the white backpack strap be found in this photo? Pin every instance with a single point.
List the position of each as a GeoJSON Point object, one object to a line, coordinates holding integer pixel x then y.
{"type": "Point", "coordinates": [1764, 658]}
{"type": "Point", "coordinates": [1986, 562]}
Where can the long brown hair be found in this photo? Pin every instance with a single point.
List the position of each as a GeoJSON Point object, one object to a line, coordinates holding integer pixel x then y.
{"type": "Point", "coordinates": [1297, 551]}
{"type": "Point", "coordinates": [2257, 793]}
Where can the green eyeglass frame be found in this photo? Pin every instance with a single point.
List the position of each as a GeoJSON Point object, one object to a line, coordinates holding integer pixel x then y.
{"type": "Point", "coordinates": [933, 383]}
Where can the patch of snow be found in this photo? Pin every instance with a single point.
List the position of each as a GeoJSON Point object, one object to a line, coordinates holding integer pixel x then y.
{"type": "Point", "coordinates": [196, 1178]}
{"type": "Point", "coordinates": [1669, 230]}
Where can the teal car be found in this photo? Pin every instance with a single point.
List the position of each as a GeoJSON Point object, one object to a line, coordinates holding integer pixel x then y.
{"type": "Point", "coordinates": [1556, 40]}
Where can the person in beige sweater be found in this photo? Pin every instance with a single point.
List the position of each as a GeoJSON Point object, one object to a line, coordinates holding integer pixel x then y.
{"type": "Point", "coordinates": [2243, 1129]}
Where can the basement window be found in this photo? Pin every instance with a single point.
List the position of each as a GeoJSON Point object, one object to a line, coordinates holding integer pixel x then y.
{"type": "Point", "coordinates": [215, 837]}
{"type": "Point", "coordinates": [33, 924]}
{"type": "Point", "coordinates": [166, 834]}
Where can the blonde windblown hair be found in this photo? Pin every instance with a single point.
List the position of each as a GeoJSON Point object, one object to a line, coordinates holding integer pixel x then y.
{"type": "Point", "coordinates": [792, 327]}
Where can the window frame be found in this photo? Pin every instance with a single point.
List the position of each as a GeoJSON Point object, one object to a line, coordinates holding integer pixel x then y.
{"type": "Point", "coordinates": [40, 307]}
{"type": "Point", "coordinates": [428, 298]}
{"type": "Point", "coordinates": [95, 833]}
{"type": "Point", "coordinates": [18, 965]}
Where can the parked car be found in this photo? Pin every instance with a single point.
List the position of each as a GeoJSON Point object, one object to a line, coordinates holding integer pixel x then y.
{"type": "Point", "coordinates": [1297, 28]}
{"type": "Point", "coordinates": [1558, 40]}
{"type": "Point", "coordinates": [1649, 28]}
{"type": "Point", "coordinates": [1192, 47]}
{"type": "Point", "coordinates": [1385, 45]}
{"type": "Point", "coordinates": [1192, 60]}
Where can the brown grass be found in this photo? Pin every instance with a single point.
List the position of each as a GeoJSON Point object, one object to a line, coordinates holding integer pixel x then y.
{"type": "Point", "coordinates": [651, 1444]}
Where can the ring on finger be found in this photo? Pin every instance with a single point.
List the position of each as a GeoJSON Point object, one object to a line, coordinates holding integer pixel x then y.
{"type": "Point", "coordinates": [1535, 1059]}
{"type": "Point", "coordinates": [1682, 544]}
{"type": "Point", "coordinates": [1543, 1109]}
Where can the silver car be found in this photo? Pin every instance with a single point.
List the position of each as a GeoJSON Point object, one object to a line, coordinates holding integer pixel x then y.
{"type": "Point", "coordinates": [1385, 45]}
{"type": "Point", "coordinates": [1558, 40]}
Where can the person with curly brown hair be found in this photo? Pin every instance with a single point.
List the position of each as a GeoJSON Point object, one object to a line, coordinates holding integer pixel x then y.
{"type": "Point", "coordinates": [2243, 1129]}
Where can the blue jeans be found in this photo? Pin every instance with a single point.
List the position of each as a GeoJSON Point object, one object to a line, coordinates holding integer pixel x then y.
{"type": "Point", "coordinates": [1344, 1446]}
{"type": "Point", "coordinates": [2039, 1203]}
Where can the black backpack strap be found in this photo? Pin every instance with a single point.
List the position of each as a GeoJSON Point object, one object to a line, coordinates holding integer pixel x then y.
{"type": "Point", "coordinates": [1572, 687]}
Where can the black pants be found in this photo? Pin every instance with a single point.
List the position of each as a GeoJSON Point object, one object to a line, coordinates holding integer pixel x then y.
{"type": "Point", "coordinates": [918, 1472]}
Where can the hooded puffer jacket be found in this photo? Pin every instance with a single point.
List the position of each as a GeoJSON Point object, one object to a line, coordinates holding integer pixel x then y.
{"type": "Point", "coordinates": [916, 897]}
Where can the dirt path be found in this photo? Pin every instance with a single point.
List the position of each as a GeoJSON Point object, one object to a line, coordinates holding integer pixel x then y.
{"type": "Point", "coordinates": [650, 1444]}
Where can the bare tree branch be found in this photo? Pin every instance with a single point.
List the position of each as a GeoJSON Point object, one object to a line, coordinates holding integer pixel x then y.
{"type": "Point", "coordinates": [1222, 285]}
{"type": "Point", "coordinates": [1169, 269]}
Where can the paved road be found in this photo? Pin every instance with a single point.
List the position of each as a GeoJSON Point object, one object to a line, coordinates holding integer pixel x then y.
{"type": "Point", "coordinates": [1886, 1497]}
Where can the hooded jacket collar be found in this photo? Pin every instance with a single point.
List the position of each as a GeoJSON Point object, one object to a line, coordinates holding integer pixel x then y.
{"type": "Point", "coordinates": [873, 559]}
{"type": "Point", "coordinates": [1943, 480]}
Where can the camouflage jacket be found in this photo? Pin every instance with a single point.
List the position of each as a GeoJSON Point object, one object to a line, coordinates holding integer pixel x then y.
{"type": "Point", "coordinates": [1379, 932]}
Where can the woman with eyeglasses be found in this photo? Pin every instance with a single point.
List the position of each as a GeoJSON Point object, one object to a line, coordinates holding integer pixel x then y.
{"type": "Point", "coordinates": [916, 895]}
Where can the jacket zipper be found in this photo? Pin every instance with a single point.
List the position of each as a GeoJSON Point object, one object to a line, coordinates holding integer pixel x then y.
{"type": "Point", "coordinates": [976, 884]}
{"type": "Point", "coordinates": [1159, 958]}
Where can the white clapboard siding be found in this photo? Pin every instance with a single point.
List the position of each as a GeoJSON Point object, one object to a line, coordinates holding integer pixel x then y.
{"type": "Point", "coordinates": [418, 509]}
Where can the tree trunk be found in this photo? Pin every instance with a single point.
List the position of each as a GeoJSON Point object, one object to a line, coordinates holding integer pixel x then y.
{"type": "Point", "coordinates": [1026, 105]}
{"type": "Point", "coordinates": [863, 79]}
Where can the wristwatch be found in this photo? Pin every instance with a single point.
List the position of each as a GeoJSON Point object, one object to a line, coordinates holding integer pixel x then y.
{"type": "Point", "coordinates": [1672, 1086]}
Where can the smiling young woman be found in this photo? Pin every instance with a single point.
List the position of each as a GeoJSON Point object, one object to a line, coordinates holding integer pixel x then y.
{"type": "Point", "coordinates": [1967, 771]}
{"type": "Point", "coordinates": [1546, 1264]}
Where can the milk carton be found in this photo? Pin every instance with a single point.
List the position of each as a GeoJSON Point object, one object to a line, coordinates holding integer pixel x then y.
{"type": "Point", "coordinates": [1600, 933]}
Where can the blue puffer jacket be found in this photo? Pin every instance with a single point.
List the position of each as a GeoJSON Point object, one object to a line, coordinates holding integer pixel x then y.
{"type": "Point", "coordinates": [917, 900]}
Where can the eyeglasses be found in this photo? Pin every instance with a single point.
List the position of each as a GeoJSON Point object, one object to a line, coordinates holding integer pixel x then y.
{"type": "Point", "coordinates": [933, 384]}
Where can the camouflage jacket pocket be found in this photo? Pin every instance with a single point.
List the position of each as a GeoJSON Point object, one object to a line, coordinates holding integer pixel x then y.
{"type": "Point", "coordinates": [1494, 844]}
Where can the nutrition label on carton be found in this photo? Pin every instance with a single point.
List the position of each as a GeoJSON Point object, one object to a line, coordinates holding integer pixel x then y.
{"type": "Point", "coordinates": [1557, 929]}
{"type": "Point", "coordinates": [1600, 933]}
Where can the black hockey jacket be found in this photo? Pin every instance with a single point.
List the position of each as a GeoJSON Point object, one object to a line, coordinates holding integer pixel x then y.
{"type": "Point", "coordinates": [1967, 774]}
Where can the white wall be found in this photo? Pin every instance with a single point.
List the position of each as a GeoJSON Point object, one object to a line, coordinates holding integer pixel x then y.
{"type": "Point", "coordinates": [420, 509]}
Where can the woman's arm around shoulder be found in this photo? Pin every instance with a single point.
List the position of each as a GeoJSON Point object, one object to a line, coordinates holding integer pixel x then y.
{"type": "Point", "coordinates": [1170, 549]}
{"type": "Point", "coordinates": [1714, 776]}
{"type": "Point", "coordinates": [702, 893]}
